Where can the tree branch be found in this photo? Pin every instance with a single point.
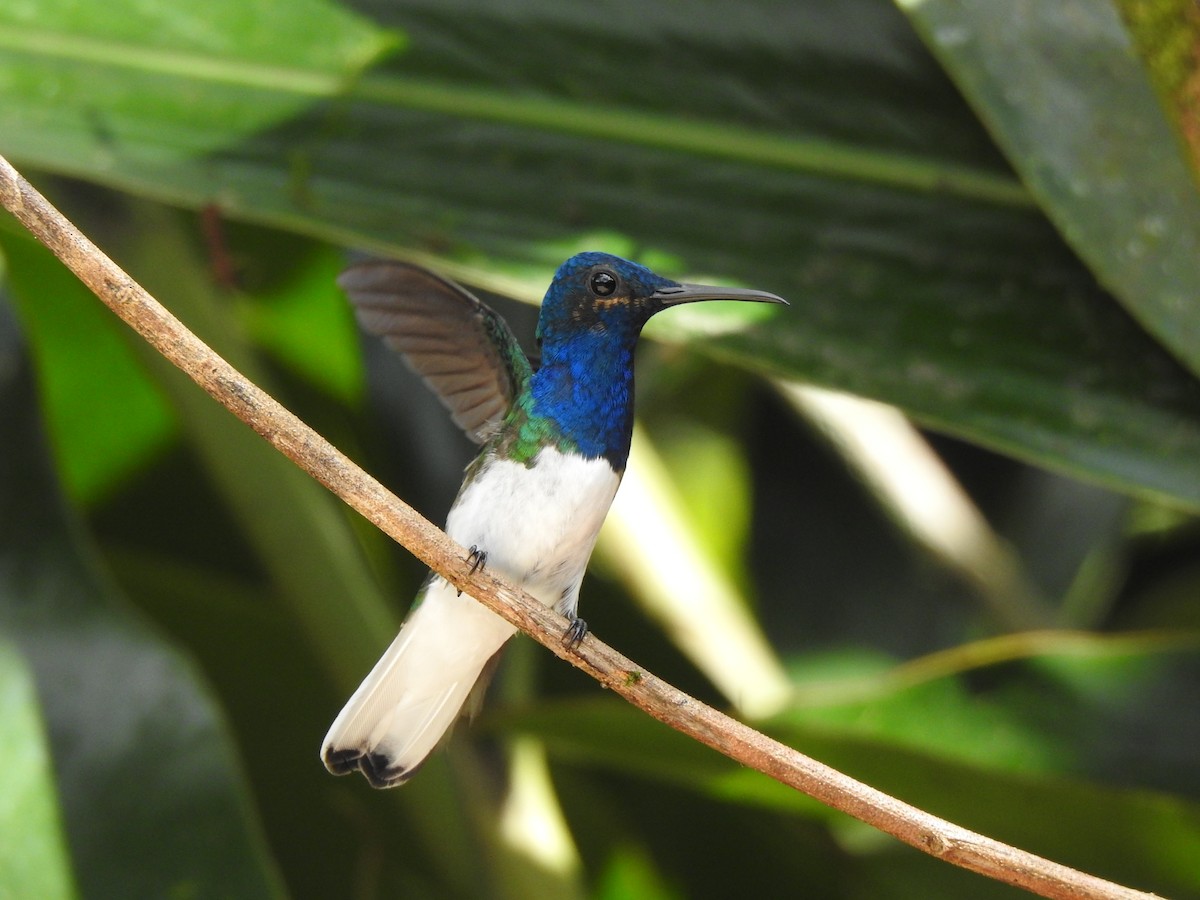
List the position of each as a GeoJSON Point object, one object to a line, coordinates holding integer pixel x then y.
{"type": "Point", "coordinates": [326, 464]}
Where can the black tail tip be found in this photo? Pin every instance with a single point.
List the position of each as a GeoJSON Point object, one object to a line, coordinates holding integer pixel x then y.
{"type": "Point", "coordinates": [377, 768]}
{"type": "Point", "coordinates": [341, 762]}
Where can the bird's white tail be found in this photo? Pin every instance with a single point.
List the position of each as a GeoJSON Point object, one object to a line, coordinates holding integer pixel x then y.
{"type": "Point", "coordinates": [417, 689]}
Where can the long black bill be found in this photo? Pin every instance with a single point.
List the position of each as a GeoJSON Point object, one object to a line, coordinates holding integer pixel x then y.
{"type": "Point", "coordinates": [690, 293]}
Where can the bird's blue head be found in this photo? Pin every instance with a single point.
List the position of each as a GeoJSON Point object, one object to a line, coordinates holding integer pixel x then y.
{"type": "Point", "coordinates": [590, 321]}
{"type": "Point", "coordinates": [602, 294]}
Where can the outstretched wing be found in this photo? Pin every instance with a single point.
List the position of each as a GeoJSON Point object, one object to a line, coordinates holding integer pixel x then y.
{"type": "Point", "coordinates": [461, 348]}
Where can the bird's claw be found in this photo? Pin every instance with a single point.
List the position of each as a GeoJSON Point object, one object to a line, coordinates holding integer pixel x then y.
{"type": "Point", "coordinates": [478, 560]}
{"type": "Point", "coordinates": [575, 633]}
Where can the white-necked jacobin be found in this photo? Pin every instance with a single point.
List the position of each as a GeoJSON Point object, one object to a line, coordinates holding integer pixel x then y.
{"type": "Point", "coordinates": [555, 441]}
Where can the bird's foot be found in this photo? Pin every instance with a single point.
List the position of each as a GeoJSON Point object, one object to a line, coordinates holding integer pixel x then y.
{"type": "Point", "coordinates": [575, 633]}
{"type": "Point", "coordinates": [478, 560]}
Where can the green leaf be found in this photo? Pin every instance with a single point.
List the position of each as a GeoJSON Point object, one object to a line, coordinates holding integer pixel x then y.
{"type": "Point", "coordinates": [33, 854]}
{"type": "Point", "coordinates": [122, 418]}
{"type": "Point", "coordinates": [305, 323]}
{"type": "Point", "coordinates": [1054, 701]}
{"type": "Point", "coordinates": [103, 429]}
{"type": "Point", "coordinates": [630, 874]}
{"type": "Point", "coordinates": [1134, 836]}
{"type": "Point", "coordinates": [818, 155]}
{"type": "Point", "coordinates": [197, 77]}
{"type": "Point", "coordinates": [1077, 115]}
{"type": "Point", "coordinates": [153, 799]}
{"type": "Point", "coordinates": [1039, 739]}
{"type": "Point", "coordinates": [297, 529]}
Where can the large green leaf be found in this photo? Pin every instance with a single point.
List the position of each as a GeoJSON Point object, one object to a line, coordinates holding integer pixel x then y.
{"type": "Point", "coordinates": [813, 151]}
{"type": "Point", "coordinates": [1076, 112]}
{"type": "Point", "coordinates": [153, 801]}
{"type": "Point", "coordinates": [33, 856]}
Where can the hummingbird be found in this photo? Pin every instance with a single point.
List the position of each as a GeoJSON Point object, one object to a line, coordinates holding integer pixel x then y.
{"type": "Point", "coordinates": [555, 440]}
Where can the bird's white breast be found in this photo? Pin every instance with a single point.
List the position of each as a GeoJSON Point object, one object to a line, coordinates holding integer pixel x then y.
{"type": "Point", "coordinates": [537, 524]}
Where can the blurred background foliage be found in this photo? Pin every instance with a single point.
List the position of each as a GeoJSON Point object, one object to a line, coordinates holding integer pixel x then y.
{"type": "Point", "coordinates": [986, 219]}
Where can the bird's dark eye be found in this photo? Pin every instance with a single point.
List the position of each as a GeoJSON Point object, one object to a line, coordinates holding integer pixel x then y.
{"type": "Point", "coordinates": [603, 283]}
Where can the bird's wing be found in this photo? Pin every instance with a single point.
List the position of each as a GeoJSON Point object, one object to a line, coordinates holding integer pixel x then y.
{"type": "Point", "coordinates": [461, 348]}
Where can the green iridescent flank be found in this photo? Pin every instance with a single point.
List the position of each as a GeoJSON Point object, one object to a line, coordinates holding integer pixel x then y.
{"type": "Point", "coordinates": [525, 433]}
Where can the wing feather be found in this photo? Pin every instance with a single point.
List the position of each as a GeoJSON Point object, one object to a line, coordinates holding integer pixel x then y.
{"type": "Point", "coordinates": [458, 345]}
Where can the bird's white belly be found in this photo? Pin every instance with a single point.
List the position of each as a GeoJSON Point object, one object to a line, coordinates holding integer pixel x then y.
{"type": "Point", "coordinates": [537, 524]}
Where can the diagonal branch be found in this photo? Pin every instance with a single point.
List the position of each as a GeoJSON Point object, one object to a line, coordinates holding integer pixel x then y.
{"type": "Point", "coordinates": [326, 464]}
